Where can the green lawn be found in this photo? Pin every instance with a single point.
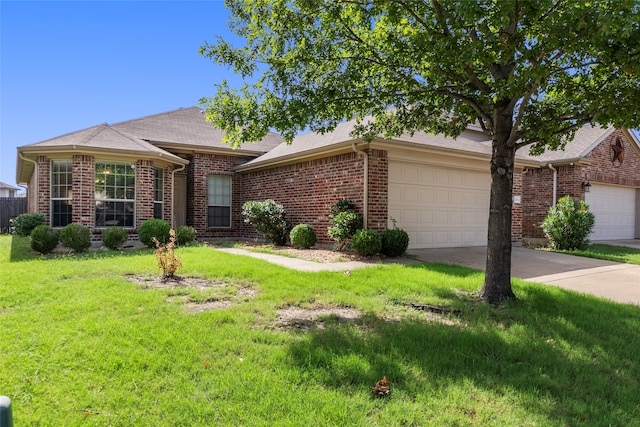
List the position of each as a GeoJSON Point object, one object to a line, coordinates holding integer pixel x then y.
{"type": "Point", "coordinates": [610, 253]}
{"type": "Point", "coordinates": [84, 345]}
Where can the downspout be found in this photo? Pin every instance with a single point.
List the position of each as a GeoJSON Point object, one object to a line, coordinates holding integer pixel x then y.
{"type": "Point", "coordinates": [173, 200]}
{"type": "Point", "coordinates": [365, 197]}
{"type": "Point", "coordinates": [35, 182]}
{"type": "Point", "coordinates": [555, 182]}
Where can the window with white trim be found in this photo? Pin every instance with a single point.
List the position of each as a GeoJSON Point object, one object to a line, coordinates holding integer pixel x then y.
{"type": "Point", "coordinates": [61, 192]}
{"type": "Point", "coordinates": [115, 194]}
{"type": "Point", "coordinates": [219, 201]}
{"type": "Point", "coordinates": [158, 192]}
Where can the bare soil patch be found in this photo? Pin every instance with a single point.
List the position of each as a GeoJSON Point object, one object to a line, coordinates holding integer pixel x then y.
{"type": "Point", "coordinates": [304, 319]}
{"type": "Point", "coordinates": [197, 294]}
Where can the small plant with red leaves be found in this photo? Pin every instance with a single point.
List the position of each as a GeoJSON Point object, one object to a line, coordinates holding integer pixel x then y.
{"type": "Point", "coordinates": [167, 259]}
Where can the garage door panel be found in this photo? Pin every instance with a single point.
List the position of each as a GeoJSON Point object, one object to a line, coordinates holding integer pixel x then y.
{"type": "Point", "coordinates": [614, 209]}
{"type": "Point", "coordinates": [452, 204]}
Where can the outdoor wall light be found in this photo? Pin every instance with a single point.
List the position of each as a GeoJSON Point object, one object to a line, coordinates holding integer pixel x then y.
{"type": "Point", "coordinates": [586, 186]}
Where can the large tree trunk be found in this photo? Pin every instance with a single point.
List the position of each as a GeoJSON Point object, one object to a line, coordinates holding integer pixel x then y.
{"type": "Point", "coordinates": [497, 282]}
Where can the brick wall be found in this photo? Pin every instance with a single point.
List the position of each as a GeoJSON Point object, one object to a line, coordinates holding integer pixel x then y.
{"type": "Point", "coordinates": [199, 168]}
{"type": "Point", "coordinates": [307, 190]}
{"type": "Point", "coordinates": [604, 171]}
{"type": "Point", "coordinates": [83, 176]}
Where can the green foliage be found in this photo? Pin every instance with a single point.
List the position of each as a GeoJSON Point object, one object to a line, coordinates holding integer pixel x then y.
{"type": "Point", "coordinates": [568, 224]}
{"type": "Point", "coordinates": [345, 222]}
{"type": "Point", "coordinates": [303, 236]}
{"type": "Point", "coordinates": [24, 223]}
{"type": "Point", "coordinates": [44, 239]}
{"type": "Point", "coordinates": [151, 228]}
{"type": "Point", "coordinates": [185, 234]}
{"type": "Point", "coordinates": [76, 237]}
{"type": "Point", "coordinates": [342, 205]}
{"type": "Point", "coordinates": [345, 225]}
{"type": "Point", "coordinates": [114, 237]}
{"type": "Point", "coordinates": [268, 218]}
{"type": "Point", "coordinates": [366, 242]}
{"type": "Point", "coordinates": [395, 242]}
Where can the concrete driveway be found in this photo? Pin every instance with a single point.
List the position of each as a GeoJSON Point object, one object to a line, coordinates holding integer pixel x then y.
{"type": "Point", "coordinates": [612, 280]}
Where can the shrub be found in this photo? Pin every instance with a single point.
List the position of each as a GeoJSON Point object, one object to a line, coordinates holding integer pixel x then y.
{"type": "Point", "coordinates": [395, 242]}
{"type": "Point", "coordinates": [568, 224]}
{"type": "Point", "coordinates": [76, 237]}
{"type": "Point", "coordinates": [342, 205]}
{"type": "Point", "coordinates": [345, 224]}
{"type": "Point", "coordinates": [114, 237]}
{"type": "Point", "coordinates": [167, 259]}
{"type": "Point", "coordinates": [24, 223]}
{"type": "Point", "coordinates": [151, 228]}
{"type": "Point", "coordinates": [303, 236]}
{"type": "Point", "coordinates": [366, 242]}
{"type": "Point", "coordinates": [44, 239]}
{"type": "Point", "coordinates": [185, 235]}
{"type": "Point", "coordinates": [268, 218]}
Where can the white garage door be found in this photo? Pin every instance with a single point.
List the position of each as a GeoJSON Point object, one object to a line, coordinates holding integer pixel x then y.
{"type": "Point", "coordinates": [439, 206]}
{"type": "Point", "coordinates": [614, 209]}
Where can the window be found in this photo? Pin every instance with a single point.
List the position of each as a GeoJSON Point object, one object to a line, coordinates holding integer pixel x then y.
{"type": "Point", "coordinates": [158, 192]}
{"type": "Point", "coordinates": [115, 194]}
{"type": "Point", "coordinates": [219, 212]}
{"type": "Point", "coordinates": [61, 193]}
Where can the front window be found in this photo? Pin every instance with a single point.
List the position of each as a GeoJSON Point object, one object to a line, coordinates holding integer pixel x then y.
{"type": "Point", "coordinates": [115, 194]}
{"type": "Point", "coordinates": [61, 193]}
{"type": "Point", "coordinates": [219, 206]}
{"type": "Point", "coordinates": [158, 192]}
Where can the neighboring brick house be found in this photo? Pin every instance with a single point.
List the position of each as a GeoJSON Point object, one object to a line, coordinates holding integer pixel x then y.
{"type": "Point", "coordinates": [606, 162]}
{"type": "Point", "coordinates": [174, 166]}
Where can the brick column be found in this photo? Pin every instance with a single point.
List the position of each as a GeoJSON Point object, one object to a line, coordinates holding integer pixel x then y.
{"type": "Point", "coordinates": [84, 175]}
{"type": "Point", "coordinates": [43, 196]}
{"type": "Point", "coordinates": [144, 191]}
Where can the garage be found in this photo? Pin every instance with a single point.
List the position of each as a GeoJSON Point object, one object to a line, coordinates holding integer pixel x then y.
{"type": "Point", "coordinates": [614, 208]}
{"type": "Point", "coordinates": [439, 206]}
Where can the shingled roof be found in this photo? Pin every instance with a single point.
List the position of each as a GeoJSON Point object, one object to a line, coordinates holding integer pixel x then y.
{"type": "Point", "coordinates": [188, 128]}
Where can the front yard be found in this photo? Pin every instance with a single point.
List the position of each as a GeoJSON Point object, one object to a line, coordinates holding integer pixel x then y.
{"type": "Point", "coordinates": [97, 339]}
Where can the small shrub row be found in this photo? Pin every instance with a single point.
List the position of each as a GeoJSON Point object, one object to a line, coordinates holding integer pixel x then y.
{"type": "Point", "coordinates": [392, 242]}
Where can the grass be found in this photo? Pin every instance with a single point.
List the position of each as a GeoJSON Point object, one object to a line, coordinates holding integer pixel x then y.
{"type": "Point", "coordinates": [82, 345]}
{"type": "Point", "coordinates": [610, 253]}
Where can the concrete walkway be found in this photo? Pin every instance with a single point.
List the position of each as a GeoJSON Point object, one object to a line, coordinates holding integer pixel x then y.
{"type": "Point", "coordinates": [615, 281]}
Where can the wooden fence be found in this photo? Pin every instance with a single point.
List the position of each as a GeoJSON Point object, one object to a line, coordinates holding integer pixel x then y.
{"type": "Point", "coordinates": [10, 207]}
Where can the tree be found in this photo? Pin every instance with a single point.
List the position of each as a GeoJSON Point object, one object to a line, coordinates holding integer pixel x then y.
{"type": "Point", "coordinates": [529, 72]}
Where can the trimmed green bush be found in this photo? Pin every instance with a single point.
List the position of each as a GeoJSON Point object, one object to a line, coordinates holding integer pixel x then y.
{"type": "Point", "coordinates": [269, 219]}
{"type": "Point", "coordinates": [76, 237]}
{"type": "Point", "coordinates": [345, 224]}
{"type": "Point", "coordinates": [185, 235]}
{"type": "Point", "coordinates": [395, 242]}
{"type": "Point", "coordinates": [44, 239]}
{"type": "Point", "coordinates": [24, 223]}
{"type": "Point", "coordinates": [568, 224]}
{"type": "Point", "coordinates": [303, 236]}
{"type": "Point", "coordinates": [114, 237]}
{"type": "Point", "coordinates": [366, 242]}
{"type": "Point", "coordinates": [151, 228]}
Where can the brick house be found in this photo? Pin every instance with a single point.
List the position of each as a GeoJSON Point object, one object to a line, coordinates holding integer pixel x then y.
{"type": "Point", "coordinates": [174, 166]}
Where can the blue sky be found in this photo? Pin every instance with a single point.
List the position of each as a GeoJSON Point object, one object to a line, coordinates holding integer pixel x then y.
{"type": "Point", "coordinates": [66, 66]}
